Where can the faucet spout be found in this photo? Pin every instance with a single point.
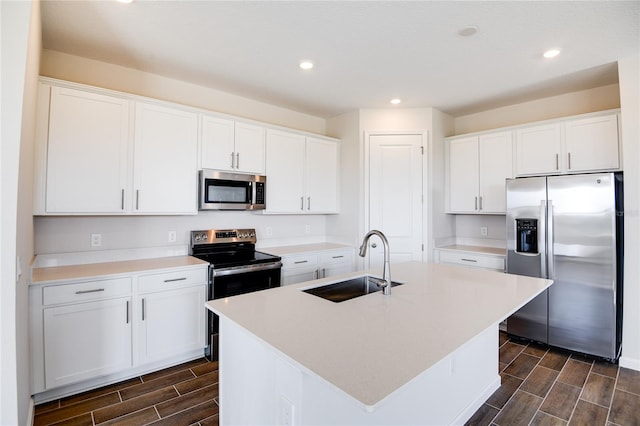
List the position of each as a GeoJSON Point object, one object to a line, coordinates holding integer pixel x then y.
{"type": "Point", "coordinates": [386, 273]}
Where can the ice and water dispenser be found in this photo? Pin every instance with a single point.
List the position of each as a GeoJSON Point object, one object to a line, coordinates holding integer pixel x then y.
{"type": "Point", "coordinates": [527, 236]}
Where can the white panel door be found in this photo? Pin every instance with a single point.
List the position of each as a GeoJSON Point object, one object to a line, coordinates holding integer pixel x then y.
{"type": "Point", "coordinates": [165, 166]}
{"type": "Point", "coordinates": [250, 148]}
{"type": "Point", "coordinates": [395, 196]}
{"type": "Point", "coordinates": [496, 165]}
{"type": "Point", "coordinates": [463, 175]}
{"type": "Point", "coordinates": [86, 152]}
{"type": "Point", "coordinates": [86, 340]}
{"type": "Point", "coordinates": [171, 323]}
{"type": "Point", "coordinates": [539, 150]}
{"type": "Point", "coordinates": [217, 143]}
{"type": "Point", "coordinates": [285, 172]}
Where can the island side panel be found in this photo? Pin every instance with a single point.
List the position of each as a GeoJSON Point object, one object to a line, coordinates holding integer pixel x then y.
{"type": "Point", "coordinates": [260, 386]}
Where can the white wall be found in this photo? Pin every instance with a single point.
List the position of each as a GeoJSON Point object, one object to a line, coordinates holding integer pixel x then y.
{"type": "Point", "coordinates": [102, 74]}
{"type": "Point", "coordinates": [20, 39]}
{"type": "Point", "coordinates": [629, 72]}
{"type": "Point", "coordinates": [597, 99]}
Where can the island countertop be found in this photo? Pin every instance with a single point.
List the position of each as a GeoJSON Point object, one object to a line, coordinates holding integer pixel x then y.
{"type": "Point", "coordinates": [372, 345]}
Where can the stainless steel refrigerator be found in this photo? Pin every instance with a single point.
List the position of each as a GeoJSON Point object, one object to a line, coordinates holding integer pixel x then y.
{"type": "Point", "coordinates": [569, 229]}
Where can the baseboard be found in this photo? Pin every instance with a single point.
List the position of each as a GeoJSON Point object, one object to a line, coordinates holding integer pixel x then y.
{"type": "Point", "coordinates": [631, 363]}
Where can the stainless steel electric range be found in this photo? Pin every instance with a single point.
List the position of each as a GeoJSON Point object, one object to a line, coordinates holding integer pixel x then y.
{"type": "Point", "coordinates": [235, 267]}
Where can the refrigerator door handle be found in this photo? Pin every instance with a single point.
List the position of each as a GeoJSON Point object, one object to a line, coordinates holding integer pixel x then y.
{"type": "Point", "coordinates": [550, 239]}
{"type": "Point", "coordinates": [541, 238]}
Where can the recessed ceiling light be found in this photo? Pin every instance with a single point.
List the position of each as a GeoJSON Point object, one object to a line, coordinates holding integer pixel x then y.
{"type": "Point", "coordinates": [395, 101]}
{"type": "Point", "coordinates": [551, 53]}
{"type": "Point", "coordinates": [306, 65]}
{"type": "Point", "coordinates": [468, 31]}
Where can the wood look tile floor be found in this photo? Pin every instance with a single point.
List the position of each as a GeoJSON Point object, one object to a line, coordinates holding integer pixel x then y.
{"type": "Point", "coordinates": [540, 386]}
{"type": "Point", "coordinates": [186, 394]}
{"type": "Point", "coordinates": [547, 386]}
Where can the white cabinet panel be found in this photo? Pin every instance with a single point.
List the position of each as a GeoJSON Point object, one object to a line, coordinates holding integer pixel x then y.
{"type": "Point", "coordinates": [86, 340]}
{"type": "Point", "coordinates": [316, 264]}
{"type": "Point", "coordinates": [539, 149]}
{"type": "Point", "coordinates": [302, 174]}
{"type": "Point", "coordinates": [171, 322]}
{"type": "Point", "coordinates": [592, 143]}
{"type": "Point", "coordinates": [86, 152]}
{"type": "Point", "coordinates": [231, 145]}
{"type": "Point", "coordinates": [165, 160]}
{"type": "Point", "coordinates": [478, 167]}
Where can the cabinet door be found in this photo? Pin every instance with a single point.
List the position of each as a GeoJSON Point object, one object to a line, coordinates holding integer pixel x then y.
{"type": "Point", "coordinates": [217, 143]}
{"type": "Point", "coordinates": [539, 150]}
{"type": "Point", "coordinates": [249, 148]}
{"type": "Point", "coordinates": [86, 152]}
{"type": "Point", "coordinates": [496, 165]}
{"type": "Point", "coordinates": [285, 172]}
{"type": "Point", "coordinates": [86, 340]}
{"type": "Point", "coordinates": [322, 176]}
{"type": "Point", "coordinates": [165, 171]}
{"type": "Point", "coordinates": [171, 322]}
{"type": "Point", "coordinates": [592, 144]}
{"type": "Point", "coordinates": [463, 175]}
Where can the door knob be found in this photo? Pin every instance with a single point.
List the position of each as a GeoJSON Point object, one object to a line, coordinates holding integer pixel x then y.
{"type": "Point", "coordinates": [374, 245]}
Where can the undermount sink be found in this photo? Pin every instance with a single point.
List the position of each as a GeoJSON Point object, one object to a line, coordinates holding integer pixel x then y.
{"type": "Point", "coordinates": [348, 289]}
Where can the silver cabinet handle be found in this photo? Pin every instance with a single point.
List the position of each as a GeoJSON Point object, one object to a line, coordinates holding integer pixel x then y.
{"type": "Point", "coordinates": [469, 260]}
{"type": "Point", "coordinates": [302, 203]}
{"type": "Point", "coordinates": [476, 204]}
{"type": "Point", "coordinates": [569, 160]}
{"type": "Point", "coordinates": [557, 163]}
{"type": "Point", "coordinates": [374, 245]}
{"type": "Point", "coordinates": [308, 203]}
{"type": "Point", "coordinates": [237, 160]}
{"type": "Point", "coordinates": [175, 279]}
{"type": "Point", "coordinates": [90, 291]}
{"type": "Point", "coordinates": [137, 199]}
{"type": "Point", "coordinates": [143, 309]}
{"type": "Point", "coordinates": [127, 312]}
{"type": "Point", "coordinates": [122, 199]}
{"type": "Point", "coordinates": [232, 161]}
{"type": "Point", "coordinates": [300, 261]}
{"type": "Point", "coordinates": [480, 203]}
{"type": "Point", "coordinates": [337, 257]}
{"type": "Point", "coordinates": [324, 273]}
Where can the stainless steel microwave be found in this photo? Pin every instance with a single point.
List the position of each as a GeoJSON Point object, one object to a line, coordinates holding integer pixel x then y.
{"type": "Point", "coordinates": [231, 191]}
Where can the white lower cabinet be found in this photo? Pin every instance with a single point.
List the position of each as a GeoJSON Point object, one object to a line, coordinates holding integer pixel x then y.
{"type": "Point", "coordinates": [87, 333]}
{"type": "Point", "coordinates": [171, 322]}
{"type": "Point", "coordinates": [297, 268]}
{"type": "Point", "coordinates": [471, 259]}
{"type": "Point", "coordinates": [86, 340]}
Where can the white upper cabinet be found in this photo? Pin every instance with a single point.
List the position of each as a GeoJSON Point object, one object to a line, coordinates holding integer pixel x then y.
{"type": "Point", "coordinates": [86, 153]}
{"type": "Point", "coordinates": [569, 146]}
{"type": "Point", "coordinates": [232, 145]}
{"type": "Point", "coordinates": [538, 149]}
{"type": "Point", "coordinates": [322, 161]}
{"type": "Point", "coordinates": [302, 174]}
{"type": "Point", "coordinates": [478, 167]}
{"type": "Point", "coordinates": [592, 143]}
{"type": "Point", "coordinates": [165, 160]}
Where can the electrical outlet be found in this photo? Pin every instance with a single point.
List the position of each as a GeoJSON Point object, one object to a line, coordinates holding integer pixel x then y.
{"type": "Point", "coordinates": [269, 231]}
{"type": "Point", "coordinates": [484, 231]}
{"type": "Point", "coordinates": [171, 236]}
{"type": "Point", "coordinates": [307, 229]}
{"type": "Point", "coordinates": [96, 240]}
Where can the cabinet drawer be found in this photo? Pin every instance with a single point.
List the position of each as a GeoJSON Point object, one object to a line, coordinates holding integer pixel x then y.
{"type": "Point", "coordinates": [173, 279]}
{"type": "Point", "coordinates": [472, 260]}
{"type": "Point", "coordinates": [300, 261]}
{"type": "Point", "coordinates": [336, 258]}
{"type": "Point", "coordinates": [90, 290]}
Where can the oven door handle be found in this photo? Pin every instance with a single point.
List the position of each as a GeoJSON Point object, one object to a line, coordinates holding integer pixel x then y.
{"type": "Point", "coordinates": [246, 269]}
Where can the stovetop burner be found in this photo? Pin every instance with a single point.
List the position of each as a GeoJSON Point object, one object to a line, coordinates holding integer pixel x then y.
{"type": "Point", "coordinates": [224, 248]}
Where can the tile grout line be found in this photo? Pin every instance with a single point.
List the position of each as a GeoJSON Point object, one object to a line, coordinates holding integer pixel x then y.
{"type": "Point", "coordinates": [581, 392]}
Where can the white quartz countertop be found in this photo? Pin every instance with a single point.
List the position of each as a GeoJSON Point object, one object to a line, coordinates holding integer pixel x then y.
{"type": "Point", "coordinates": [476, 249]}
{"type": "Point", "coordinates": [54, 274]}
{"type": "Point", "coordinates": [302, 248]}
{"type": "Point", "coordinates": [372, 345]}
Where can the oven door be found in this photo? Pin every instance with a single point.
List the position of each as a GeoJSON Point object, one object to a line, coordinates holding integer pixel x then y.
{"type": "Point", "coordinates": [229, 282]}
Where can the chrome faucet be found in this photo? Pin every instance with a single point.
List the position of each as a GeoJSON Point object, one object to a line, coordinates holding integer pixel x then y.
{"type": "Point", "coordinates": [385, 282]}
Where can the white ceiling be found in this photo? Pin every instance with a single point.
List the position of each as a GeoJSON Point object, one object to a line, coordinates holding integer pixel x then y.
{"type": "Point", "coordinates": [365, 52]}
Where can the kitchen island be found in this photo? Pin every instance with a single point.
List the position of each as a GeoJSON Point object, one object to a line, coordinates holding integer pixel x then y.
{"type": "Point", "coordinates": [426, 354]}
